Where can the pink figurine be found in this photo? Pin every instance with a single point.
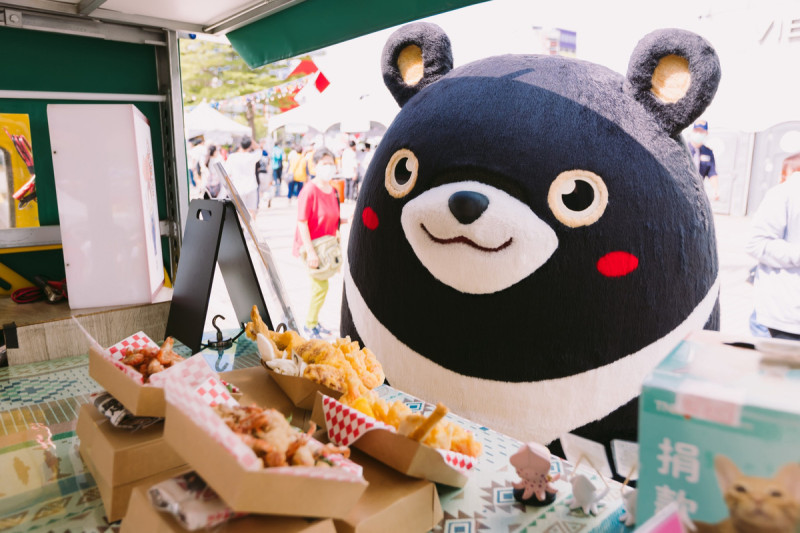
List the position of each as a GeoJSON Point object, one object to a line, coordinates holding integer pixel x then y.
{"type": "Point", "coordinates": [532, 463]}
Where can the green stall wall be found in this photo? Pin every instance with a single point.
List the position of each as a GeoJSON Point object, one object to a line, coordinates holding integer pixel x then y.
{"type": "Point", "coordinates": [44, 61]}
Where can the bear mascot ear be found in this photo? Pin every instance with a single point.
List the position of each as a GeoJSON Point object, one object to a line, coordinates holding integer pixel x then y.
{"type": "Point", "coordinates": [674, 74]}
{"type": "Point", "coordinates": [415, 56]}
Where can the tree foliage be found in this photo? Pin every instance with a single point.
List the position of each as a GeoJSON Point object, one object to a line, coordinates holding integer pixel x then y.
{"type": "Point", "coordinates": [214, 71]}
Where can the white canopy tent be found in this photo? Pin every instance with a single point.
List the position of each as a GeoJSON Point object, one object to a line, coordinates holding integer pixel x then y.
{"type": "Point", "coordinates": [214, 126]}
{"type": "Point", "coordinates": [354, 113]}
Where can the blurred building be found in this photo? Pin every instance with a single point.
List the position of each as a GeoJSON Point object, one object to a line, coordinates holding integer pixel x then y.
{"type": "Point", "coordinates": [554, 41]}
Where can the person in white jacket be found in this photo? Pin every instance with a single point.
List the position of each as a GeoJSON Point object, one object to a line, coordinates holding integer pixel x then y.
{"type": "Point", "coordinates": [775, 242]}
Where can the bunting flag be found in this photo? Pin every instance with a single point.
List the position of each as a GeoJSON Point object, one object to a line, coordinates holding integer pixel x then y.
{"type": "Point", "coordinates": [285, 96]}
{"type": "Point", "coordinates": [305, 67]}
{"type": "Point", "coordinates": [313, 89]}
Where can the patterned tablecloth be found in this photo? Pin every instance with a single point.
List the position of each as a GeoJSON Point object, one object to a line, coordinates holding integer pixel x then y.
{"type": "Point", "coordinates": [45, 486]}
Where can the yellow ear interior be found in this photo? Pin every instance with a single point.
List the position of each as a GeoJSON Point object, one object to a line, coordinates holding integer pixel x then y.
{"type": "Point", "coordinates": [671, 79]}
{"type": "Point", "coordinates": [410, 64]}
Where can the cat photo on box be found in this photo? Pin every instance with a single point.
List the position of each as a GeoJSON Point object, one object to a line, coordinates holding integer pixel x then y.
{"type": "Point", "coordinates": [765, 504]}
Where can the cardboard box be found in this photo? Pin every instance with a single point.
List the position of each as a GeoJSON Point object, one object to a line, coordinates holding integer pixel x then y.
{"type": "Point", "coordinates": [139, 399]}
{"type": "Point", "coordinates": [142, 516]}
{"type": "Point", "coordinates": [302, 391]}
{"type": "Point", "coordinates": [350, 427]}
{"type": "Point", "coordinates": [116, 497]}
{"type": "Point", "coordinates": [235, 473]}
{"type": "Point", "coordinates": [715, 421]}
{"type": "Point", "coordinates": [128, 386]}
{"type": "Point", "coordinates": [107, 208]}
{"type": "Point", "coordinates": [122, 456]}
{"type": "Point", "coordinates": [259, 388]}
{"type": "Point", "coordinates": [392, 503]}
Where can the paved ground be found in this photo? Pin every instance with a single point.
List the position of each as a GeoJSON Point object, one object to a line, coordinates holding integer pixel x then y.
{"type": "Point", "coordinates": [277, 225]}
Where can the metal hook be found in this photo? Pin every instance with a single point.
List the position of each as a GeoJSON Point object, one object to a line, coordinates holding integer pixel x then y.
{"type": "Point", "coordinates": [219, 360]}
{"type": "Point", "coordinates": [281, 325]}
{"type": "Point", "coordinates": [221, 343]}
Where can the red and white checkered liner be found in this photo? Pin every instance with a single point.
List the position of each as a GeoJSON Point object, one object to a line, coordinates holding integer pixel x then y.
{"type": "Point", "coordinates": [213, 392]}
{"type": "Point", "coordinates": [191, 371]}
{"type": "Point", "coordinates": [127, 370]}
{"type": "Point", "coordinates": [346, 425]}
{"type": "Point", "coordinates": [136, 341]}
{"type": "Point", "coordinates": [188, 400]}
{"type": "Point", "coordinates": [459, 461]}
{"type": "Point", "coordinates": [115, 354]}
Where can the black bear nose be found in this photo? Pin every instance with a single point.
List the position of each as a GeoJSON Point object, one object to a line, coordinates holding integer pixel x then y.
{"type": "Point", "coordinates": [467, 206]}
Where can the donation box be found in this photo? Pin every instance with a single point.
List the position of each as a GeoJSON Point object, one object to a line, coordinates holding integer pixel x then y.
{"type": "Point", "coordinates": [106, 190]}
{"type": "Point", "coordinates": [719, 434]}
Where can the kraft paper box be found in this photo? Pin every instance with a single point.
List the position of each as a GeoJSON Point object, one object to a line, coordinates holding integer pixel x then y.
{"type": "Point", "coordinates": [237, 475]}
{"type": "Point", "coordinates": [116, 497]}
{"type": "Point", "coordinates": [302, 391]}
{"type": "Point", "coordinates": [258, 388]}
{"type": "Point", "coordinates": [143, 517]}
{"type": "Point", "coordinates": [393, 502]}
{"type": "Point", "coordinates": [127, 385]}
{"type": "Point", "coordinates": [716, 423]}
{"type": "Point", "coordinates": [349, 427]}
{"type": "Point", "coordinates": [118, 379]}
{"type": "Point", "coordinates": [123, 456]}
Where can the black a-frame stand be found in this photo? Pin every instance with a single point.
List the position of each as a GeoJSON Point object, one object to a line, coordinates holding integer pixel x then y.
{"type": "Point", "coordinates": [213, 235]}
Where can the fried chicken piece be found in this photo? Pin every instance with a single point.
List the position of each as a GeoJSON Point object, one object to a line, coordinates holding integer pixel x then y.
{"type": "Point", "coordinates": [367, 367]}
{"type": "Point", "coordinates": [274, 441]}
{"type": "Point", "coordinates": [303, 457]}
{"type": "Point", "coordinates": [151, 360]}
{"type": "Point", "coordinates": [154, 366]}
{"type": "Point", "coordinates": [317, 351]}
{"type": "Point", "coordinates": [329, 376]}
{"type": "Point", "coordinates": [283, 341]}
{"type": "Point", "coordinates": [373, 367]}
{"type": "Point", "coordinates": [256, 326]}
{"type": "Point", "coordinates": [288, 340]}
{"type": "Point", "coordinates": [133, 358]}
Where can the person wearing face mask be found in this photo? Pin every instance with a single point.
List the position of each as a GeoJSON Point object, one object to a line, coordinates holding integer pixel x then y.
{"type": "Point", "coordinates": [703, 157]}
{"type": "Point", "coordinates": [318, 215]}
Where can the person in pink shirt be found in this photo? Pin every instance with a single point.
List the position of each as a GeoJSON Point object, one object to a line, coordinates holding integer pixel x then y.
{"type": "Point", "coordinates": [317, 216]}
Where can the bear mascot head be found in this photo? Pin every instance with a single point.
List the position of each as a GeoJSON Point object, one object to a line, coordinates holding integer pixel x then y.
{"type": "Point", "coordinates": [531, 237]}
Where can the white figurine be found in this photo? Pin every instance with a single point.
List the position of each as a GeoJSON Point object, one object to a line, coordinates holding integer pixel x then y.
{"type": "Point", "coordinates": [628, 516]}
{"type": "Point", "coordinates": [584, 495]}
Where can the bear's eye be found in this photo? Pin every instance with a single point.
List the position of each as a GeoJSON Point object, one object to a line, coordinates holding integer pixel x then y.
{"type": "Point", "coordinates": [401, 173]}
{"type": "Point", "coordinates": [578, 198]}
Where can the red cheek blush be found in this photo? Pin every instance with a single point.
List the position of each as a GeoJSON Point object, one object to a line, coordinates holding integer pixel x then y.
{"type": "Point", "coordinates": [370, 218]}
{"type": "Point", "coordinates": [617, 264]}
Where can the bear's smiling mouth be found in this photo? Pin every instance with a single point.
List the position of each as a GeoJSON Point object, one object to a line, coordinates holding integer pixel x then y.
{"type": "Point", "coordinates": [467, 241]}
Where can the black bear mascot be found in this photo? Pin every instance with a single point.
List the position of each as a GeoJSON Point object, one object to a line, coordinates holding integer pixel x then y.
{"type": "Point", "coordinates": [531, 237]}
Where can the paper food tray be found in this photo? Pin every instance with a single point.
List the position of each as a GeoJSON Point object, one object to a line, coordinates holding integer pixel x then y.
{"type": "Point", "coordinates": [348, 426]}
{"type": "Point", "coordinates": [234, 471]}
{"type": "Point", "coordinates": [302, 391]}
{"type": "Point", "coordinates": [127, 385]}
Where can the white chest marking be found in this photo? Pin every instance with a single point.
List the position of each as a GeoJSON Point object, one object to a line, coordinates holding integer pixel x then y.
{"type": "Point", "coordinates": [540, 411]}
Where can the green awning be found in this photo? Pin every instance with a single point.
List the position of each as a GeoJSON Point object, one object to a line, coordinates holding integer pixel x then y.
{"type": "Point", "coordinates": [315, 24]}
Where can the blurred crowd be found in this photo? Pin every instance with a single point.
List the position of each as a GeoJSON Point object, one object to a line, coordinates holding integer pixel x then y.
{"type": "Point", "coordinates": [263, 171]}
